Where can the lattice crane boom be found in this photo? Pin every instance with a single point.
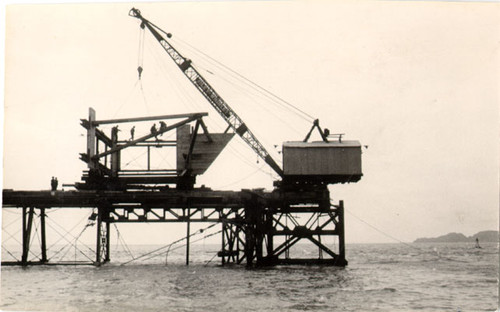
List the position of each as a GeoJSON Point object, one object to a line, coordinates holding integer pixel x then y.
{"type": "Point", "coordinates": [229, 115]}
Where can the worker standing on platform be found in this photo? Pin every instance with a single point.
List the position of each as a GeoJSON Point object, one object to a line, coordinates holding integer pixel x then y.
{"type": "Point", "coordinates": [53, 184]}
{"type": "Point", "coordinates": [114, 133]}
{"type": "Point", "coordinates": [163, 127]}
{"type": "Point", "coordinates": [132, 132]}
{"type": "Point", "coordinates": [154, 131]}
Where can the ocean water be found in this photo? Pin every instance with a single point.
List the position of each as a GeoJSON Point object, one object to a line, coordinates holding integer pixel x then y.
{"type": "Point", "coordinates": [379, 277]}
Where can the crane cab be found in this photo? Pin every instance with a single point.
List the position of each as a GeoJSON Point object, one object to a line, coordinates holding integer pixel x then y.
{"type": "Point", "coordinates": [322, 162]}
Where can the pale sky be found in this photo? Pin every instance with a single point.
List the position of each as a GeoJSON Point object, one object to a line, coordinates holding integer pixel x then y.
{"type": "Point", "coordinates": [417, 82]}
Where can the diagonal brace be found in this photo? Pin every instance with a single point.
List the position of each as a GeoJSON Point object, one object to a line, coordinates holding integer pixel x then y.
{"type": "Point", "coordinates": [146, 137]}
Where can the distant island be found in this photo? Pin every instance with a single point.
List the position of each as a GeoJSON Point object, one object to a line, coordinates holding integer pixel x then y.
{"type": "Point", "coordinates": [483, 236]}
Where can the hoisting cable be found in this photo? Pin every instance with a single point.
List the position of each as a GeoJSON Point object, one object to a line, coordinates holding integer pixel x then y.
{"type": "Point", "coordinates": [140, 55]}
{"type": "Point", "coordinates": [252, 93]}
{"type": "Point", "coordinates": [166, 246]}
{"type": "Point", "coordinates": [255, 85]}
{"type": "Point", "coordinates": [255, 98]}
{"type": "Point", "coordinates": [140, 62]}
{"type": "Point", "coordinates": [382, 232]}
{"type": "Point", "coordinates": [70, 242]}
{"type": "Point", "coordinates": [68, 232]}
{"type": "Point", "coordinates": [199, 239]}
{"type": "Point", "coordinates": [52, 210]}
{"type": "Point", "coordinates": [140, 68]}
{"type": "Point", "coordinates": [36, 234]}
{"type": "Point", "coordinates": [311, 218]}
{"type": "Point", "coordinates": [123, 102]}
{"type": "Point", "coordinates": [76, 241]}
{"type": "Point", "coordinates": [11, 236]}
{"type": "Point", "coordinates": [250, 82]}
{"type": "Point", "coordinates": [213, 257]}
{"type": "Point", "coordinates": [3, 247]}
{"type": "Point", "coordinates": [61, 238]}
{"type": "Point", "coordinates": [173, 243]}
{"type": "Point", "coordinates": [144, 96]}
{"type": "Point", "coordinates": [181, 246]}
{"type": "Point", "coordinates": [244, 178]}
{"type": "Point", "coordinates": [182, 94]}
{"type": "Point", "coordinates": [177, 86]}
{"type": "Point", "coordinates": [4, 227]}
{"type": "Point", "coordinates": [134, 160]}
{"type": "Point", "coordinates": [122, 241]}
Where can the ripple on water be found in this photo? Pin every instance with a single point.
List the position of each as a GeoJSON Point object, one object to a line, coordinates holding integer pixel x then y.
{"type": "Point", "coordinates": [379, 278]}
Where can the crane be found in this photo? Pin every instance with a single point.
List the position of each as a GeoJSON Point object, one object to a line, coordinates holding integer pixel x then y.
{"type": "Point", "coordinates": [227, 113]}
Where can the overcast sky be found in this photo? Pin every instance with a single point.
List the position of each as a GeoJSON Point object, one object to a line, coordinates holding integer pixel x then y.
{"type": "Point", "coordinates": [417, 82]}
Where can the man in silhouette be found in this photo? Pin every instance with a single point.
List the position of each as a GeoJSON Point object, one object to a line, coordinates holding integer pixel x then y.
{"type": "Point", "coordinates": [132, 132]}
{"type": "Point", "coordinates": [154, 131]}
{"type": "Point", "coordinates": [53, 184]}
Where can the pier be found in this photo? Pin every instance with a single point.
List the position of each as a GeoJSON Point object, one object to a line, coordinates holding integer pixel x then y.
{"type": "Point", "coordinates": [250, 220]}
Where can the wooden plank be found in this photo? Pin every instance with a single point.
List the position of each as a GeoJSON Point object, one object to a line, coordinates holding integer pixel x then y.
{"type": "Point", "coordinates": [146, 137]}
{"type": "Point", "coordinates": [136, 119]}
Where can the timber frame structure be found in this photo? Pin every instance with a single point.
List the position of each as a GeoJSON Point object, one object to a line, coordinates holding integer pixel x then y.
{"type": "Point", "coordinates": [251, 220]}
{"type": "Point", "coordinates": [258, 227]}
{"type": "Point", "coordinates": [107, 174]}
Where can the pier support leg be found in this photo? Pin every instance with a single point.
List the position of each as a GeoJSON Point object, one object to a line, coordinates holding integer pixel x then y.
{"type": "Point", "coordinates": [341, 234]}
{"type": "Point", "coordinates": [24, 256]}
{"type": "Point", "coordinates": [322, 221]}
{"type": "Point", "coordinates": [249, 236]}
{"type": "Point", "coordinates": [103, 237]}
{"type": "Point", "coordinates": [98, 239]}
{"type": "Point", "coordinates": [108, 232]}
{"type": "Point", "coordinates": [232, 241]}
{"type": "Point", "coordinates": [187, 235]}
{"type": "Point", "coordinates": [259, 236]}
{"type": "Point", "coordinates": [256, 228]}
{"type": "Point", "coordinates": [43, 239]}
{"type": "Point", "coordinates": [27, 224]}
{"type": "Point", "coordinates": [269, 234]}
{"type": "Point", "coordinates": [254, 231]}
{"type": "Point", "coordinates": [223, 254]}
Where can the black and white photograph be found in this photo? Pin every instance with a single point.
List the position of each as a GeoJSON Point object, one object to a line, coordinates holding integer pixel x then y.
{"type": "Point", "coordinates": [250, 156]}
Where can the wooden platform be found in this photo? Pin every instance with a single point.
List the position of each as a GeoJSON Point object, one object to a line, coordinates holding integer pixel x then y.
{"type": "Point", "coordinates": [252, 220]}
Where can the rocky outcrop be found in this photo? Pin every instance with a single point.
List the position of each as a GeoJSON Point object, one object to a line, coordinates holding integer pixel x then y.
{"type": "Point", "coordinates": [483, 236]}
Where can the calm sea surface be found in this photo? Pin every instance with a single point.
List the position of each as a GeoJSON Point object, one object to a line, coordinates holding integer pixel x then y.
{"type": "Point", "coordinates": [380, 277]}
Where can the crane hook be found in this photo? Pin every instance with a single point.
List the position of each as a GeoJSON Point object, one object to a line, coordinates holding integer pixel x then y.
{"type": "Point", "coordinates": [139, 69]}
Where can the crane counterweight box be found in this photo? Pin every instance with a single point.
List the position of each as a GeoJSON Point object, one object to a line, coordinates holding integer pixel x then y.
{"type": "Point", "coordinates": [327, 162]}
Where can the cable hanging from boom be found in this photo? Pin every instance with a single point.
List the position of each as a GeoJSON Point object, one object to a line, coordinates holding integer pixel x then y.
{"type": "Point", "coordinates": [275, 98]}
{"type": "Point", "coordinates": [153, 254]}
{"type": "Point", "coordinates": [217, 102]}
{"type": "Point", "coordinates": [266, 93]}
{"type": "Point", "coordinates": [140, 55]}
